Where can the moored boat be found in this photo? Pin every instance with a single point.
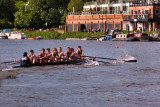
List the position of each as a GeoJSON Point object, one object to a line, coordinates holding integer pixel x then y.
{"type": "Point", "coordinates": [154, 37]}
{"type": "Point", "coordinates": [16, 35]}
{"type": "Point", "coordinates": [142, 36]}
{"type": "Point", "coordinates": [125, 37]}
{"type": "Point", "coordinates": [3, 36]}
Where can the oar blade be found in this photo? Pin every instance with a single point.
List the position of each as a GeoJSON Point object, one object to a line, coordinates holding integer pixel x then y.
{"type": "Point", "coordinates": [131, 61]}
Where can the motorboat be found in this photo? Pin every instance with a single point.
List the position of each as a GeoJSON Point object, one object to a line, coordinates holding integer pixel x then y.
{"type": "Point", "coordinates": [3, 36]}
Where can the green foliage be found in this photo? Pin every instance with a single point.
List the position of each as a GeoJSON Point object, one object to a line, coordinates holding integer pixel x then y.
{"type": "Point", "coordinates": [32, 13]}
{"type": "Point", "coordinates": [90, 9]}
{"type": "Point", "coordinates": [45, 35]}
{"type": "Point", "coordinates": [63, 18]}
{"type": "Point", "coordinates": [6, 13]}
{"type": "Point", "coordinates": [56, 35]}
{"type": "Point", "coordinates": [148, 32]}
{"type": "Point", "coordinates": [78, 35]}
{"type": "Point", "coordinates": [36, 13]}
{"type": "Point", "coordinates": [77, 4]}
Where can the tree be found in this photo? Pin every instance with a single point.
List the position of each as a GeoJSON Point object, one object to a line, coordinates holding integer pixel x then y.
{"type": "Point", "coordinates": [39, 12]}
{"type": "Point", "coordinates": [6, 13]}
{"type": "Point", "coordinates": [77, 4]}
{"type": "Point", "coordinates": [63, 18]}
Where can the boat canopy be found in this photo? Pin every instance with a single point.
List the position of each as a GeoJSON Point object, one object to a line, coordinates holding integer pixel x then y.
{"type": "Point", "coordinates": [6, 31]}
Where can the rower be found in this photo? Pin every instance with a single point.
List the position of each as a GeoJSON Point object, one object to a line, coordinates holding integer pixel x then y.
{"type": "Point", "coordinates": [80, 52]}
{"type": "Point", "coordinates": [32, 57]}
{"type": "Point", "coordinates": [48, 55]}
{"type": "Point", "coordinates": [41, 56]}
{"type": "Point", "coordinates": [24, 60]}
{"type": "Point", "coordinates": [60, 54]}
{"type": "Point", "coordinates": [73, 55]}
{"type": "Point", "coordinates": [55, 54]}
{"type": "Point", "coordinates": [68, 53]}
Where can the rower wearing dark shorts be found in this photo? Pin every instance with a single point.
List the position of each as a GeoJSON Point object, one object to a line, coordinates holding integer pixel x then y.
{"type": "Point", "coordinates": [48, 55]}
{"type": "Point", "coordinates": [55, 54]}
{"type": "Point", "coordinates": [68, 53]}
{"type": "Point", "coordinates": [32, 57]}
{"type": "Point", "coordinates": [41, 56]}
{"type": "Point", "coordinates": [73, 55]}
{"type": "Point", "coordinates": [60, 54]}
{"type": "Point", "coordinates": [80, 52]}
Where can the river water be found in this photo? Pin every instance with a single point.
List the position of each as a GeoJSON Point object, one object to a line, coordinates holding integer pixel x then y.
{"type": "Point", "coordinates": [113, 84]}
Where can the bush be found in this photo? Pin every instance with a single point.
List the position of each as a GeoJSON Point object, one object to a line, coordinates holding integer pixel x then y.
{"type": "Point", "coordinates": [45, 35]}
{"type": "Point", "coordinates": [56, 35]}
{"type": "Point", "coordinates": [78, 35]}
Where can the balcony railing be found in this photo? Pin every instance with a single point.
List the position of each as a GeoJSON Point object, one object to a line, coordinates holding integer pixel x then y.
{"type": "Point", "coordinates": [134, 3]}
{"type": "Point", "coordinates": [136, 18]}
{"type": "Point", "coordinates": [101, 3]}
{"type": "Point", "coordinates": [97, 13]}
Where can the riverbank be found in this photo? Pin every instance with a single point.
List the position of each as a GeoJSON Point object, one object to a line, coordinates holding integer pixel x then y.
{"type": "Point", "coordinates": [56, 35]}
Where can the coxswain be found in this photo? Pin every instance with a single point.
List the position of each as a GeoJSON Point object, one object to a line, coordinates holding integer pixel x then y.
{"type": "Point", "coordinates": [80, 52]}
{"type": "Point", "coordinates": [48, 55]}
{"type": "Point", "coordinates": [60, 54]}
{"type": "Point", "coordinates": [55, 54]}
{"type": "Point", "coordinates": [24, 61]}
{"type": "Point", "coordinates": [68, 53]}
{"type": "Point", "coordinates": [32, 57]}
{"type": "Point", "coordinates": [41, 56]}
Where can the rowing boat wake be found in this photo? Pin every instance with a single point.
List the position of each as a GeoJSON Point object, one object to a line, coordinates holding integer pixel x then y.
{"type": "Point", "coordinates": [127, 57]}
{"type": "Point", "coordinates": [91, 62]}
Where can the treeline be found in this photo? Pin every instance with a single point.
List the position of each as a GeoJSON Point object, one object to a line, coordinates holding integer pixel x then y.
{"type": "Point", "coordinates": [36, 13]}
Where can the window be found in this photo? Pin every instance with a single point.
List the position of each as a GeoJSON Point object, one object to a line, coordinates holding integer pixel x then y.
{"type": "Point", "coordinates": [146, 11]}
{"type": "Point", "coordinates": [149, 11]}
{"type": "Point", "coordinates": [135, 12]}
{"type": "Point", "coordinates": [157, 11]}
{"type": "Point", "coordinates": [143, 12]}
{"type": "Point", "coordinates": [132, 11]}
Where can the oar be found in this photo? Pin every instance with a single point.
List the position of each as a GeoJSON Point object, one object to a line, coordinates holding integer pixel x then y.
{"type": "Point", "coordinates": [101, 61]}
{"type": "Point", "coordinates": [111, 59]}
{"type": "Point", "coordinates": [8, 62]}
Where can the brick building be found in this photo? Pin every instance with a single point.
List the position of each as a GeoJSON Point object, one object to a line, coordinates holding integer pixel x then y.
{"type": "Point", "coordinates": [103, 15]}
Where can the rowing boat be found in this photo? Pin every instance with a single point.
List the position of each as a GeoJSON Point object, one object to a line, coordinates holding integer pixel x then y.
{"type": "Point", "coordinates": [53, 63]}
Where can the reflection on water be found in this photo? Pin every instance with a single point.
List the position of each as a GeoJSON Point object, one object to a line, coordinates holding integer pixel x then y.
{"type": "Point", "coordinates": [0, 82]}
{"type": "Point", "coordinates": [112, 84]}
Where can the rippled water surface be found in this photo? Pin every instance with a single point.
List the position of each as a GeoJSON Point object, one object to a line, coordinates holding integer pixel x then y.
{"type": "Point", "coordinates": [113, 84]}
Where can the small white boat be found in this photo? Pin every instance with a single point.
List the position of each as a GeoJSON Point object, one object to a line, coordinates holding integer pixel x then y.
{"type": "Point", "coordinates": [125, 37]}
{"type": "Point", "coordinates": [39, 37]}
{"type": "Point", "coordinates": [16, 35]}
